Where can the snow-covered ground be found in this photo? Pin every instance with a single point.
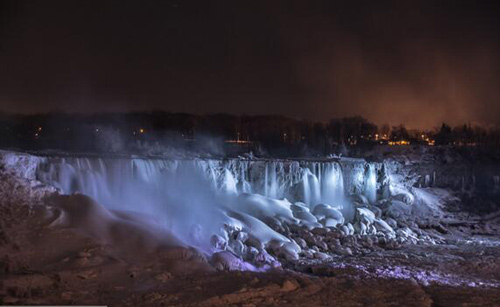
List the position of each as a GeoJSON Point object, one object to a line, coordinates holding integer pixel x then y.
{"type": "Point", "coordinates": [163, 219]}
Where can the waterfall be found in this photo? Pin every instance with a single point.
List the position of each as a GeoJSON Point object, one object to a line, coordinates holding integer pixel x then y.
{"type": "Point", "coordinates": [310, 188]}
{"type": "Point", "coordinates": [370, 184]}
{"type": "Point", "coordinates": [151, 183]}
{"type": "Point", "coordinates": [332, 184]}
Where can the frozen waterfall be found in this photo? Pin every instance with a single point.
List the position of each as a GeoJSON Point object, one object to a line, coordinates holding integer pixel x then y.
{"type": "Point", "coordinates": [211, 193]}
{"type": "Point", "coordinates": [122, 182]}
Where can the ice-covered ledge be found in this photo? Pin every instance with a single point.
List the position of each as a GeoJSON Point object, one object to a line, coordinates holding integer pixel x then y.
{"type": "Point", "coordinates": [21, 164]}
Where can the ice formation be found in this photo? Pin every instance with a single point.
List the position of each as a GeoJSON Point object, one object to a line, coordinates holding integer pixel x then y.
{"type": "Point", "coordinates": [245, 213]}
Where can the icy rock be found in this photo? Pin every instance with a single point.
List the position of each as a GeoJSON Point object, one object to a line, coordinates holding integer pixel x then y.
{"type": "Point", "coordinates": [252, 252]}
{"type": "Point", "coordinates": [320, 231]}
{"type": "Point", "coordinates": [381, 225]}
{"type": "Point", "coordinates": [358, 205]}
{"type": "Point", "coordinates": [405, 233]}
{"type": "Point", "coordinates": [335, 233]}
{"type": "Point", "coordinates": [359, 198]}
{"type": "Point", "coordinates": [334, 243]}
{"type": "Point", "coordinates": [367, 242]}
{"type": "Point", "coordinates": [364, 214]}
{"type": "Point", "coordinates": [309, 238]}
{"type": "Point", "coordinates": [336, 250]}
{"type": "Point", "coordinates": [345, 230]}
{"type": "Point", "coordinates": [296, 229]}
{"type": "Point", "coordinates": [406, 198]}
{"type": "Point", "coordinates": [301, 242]}
{"type": "Point", "coordinates": [395, 244]}
{"type": "Point", "coordinates": [254, 242]}
{"type": "Point", "coordinates": [242, 236]}
{"type": "Point", "coordinates": [322, 245]}
{"type": "Point", "coordinates": [218, 243]}
{"type": "Point", "coordinates": [347, 251]}
{"type": "Point", "coordinates": [328, 222]}
{"type": "Point", "coordinates": [351, 228]}
{"type": "Point", "coordinates": [263, 259]}
{"type": "Point", "coordinates": [259, 234]}
{"type": "Point", "coordinates": [417, 231]}
{"type": "Point", "coordinates": [398, 210]}
{"type": "Point", "coordinates": [226, 261]}
{"type": "Point", "coordinates": [382, 240]}
{"type": "Point", "coordinates": [287, 230]}
{"type": "Point", "coordinates": [391, 222]}
{"type": "Point", "coordinates": [441, 229]}
{"type": "Point", "coordinates": [274, 246]}
{"type": "Point", "coordinates": [237, 247]}
{"type": "Point", "coordinates": [321, 256]}
{"type": "Point", "coordinates": [289, 256]}
{"type": "Point", "coordinates": [299, 207]}
{"type": "Point", "coordinates": [262, 207]}
{"type": "Point", "coordinates": [377, 211]}
{"type": "Point", "coordinates": [349, 240]}
{"type": "Point", "coordinates": [328, 215]}
{"type": "Point", "coordinates": [307, 219]}
{"type": "Point", "coordinates": [290, 251]}
{"type": "Point", "coordinates": [317, 240]}
{"type": "Point", "coordinates": [360, 228]}
{"type": "Point", "coordinates": [308, 254]}
{"type": "Point", "coordinates": [412, 225]}
{"type": "Point", "coordinates": [401, 240]}
{"type": "Point", "coordinates": [273, 223]}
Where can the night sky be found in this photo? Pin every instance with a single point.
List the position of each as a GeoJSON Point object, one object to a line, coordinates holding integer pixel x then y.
{"type": "Point", "coordinates": [413, 62]}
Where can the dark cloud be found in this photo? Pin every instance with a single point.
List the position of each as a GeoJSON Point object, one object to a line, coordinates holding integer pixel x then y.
{"type": "Point", "coordinates": [417, 62]}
